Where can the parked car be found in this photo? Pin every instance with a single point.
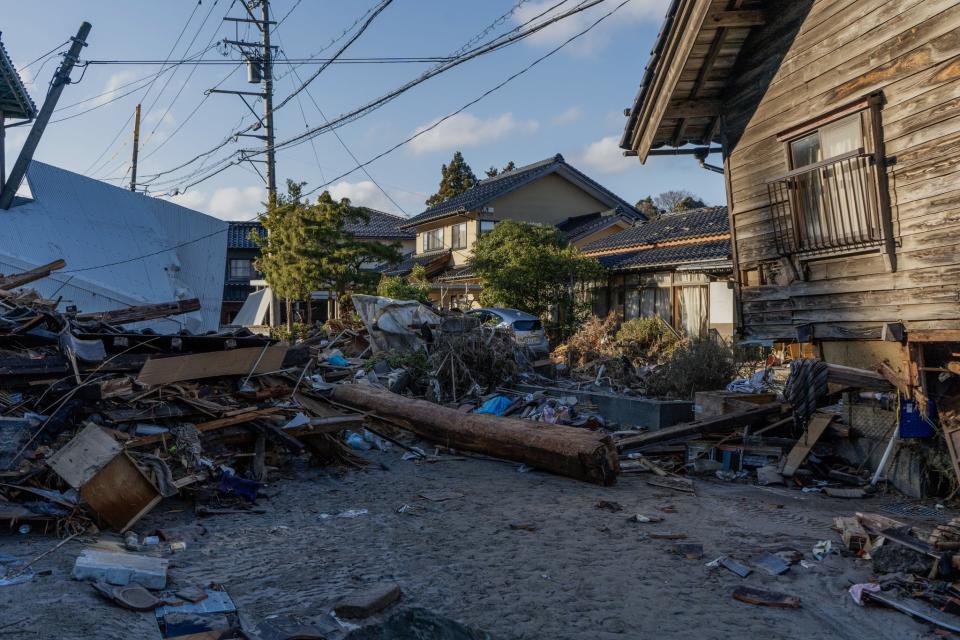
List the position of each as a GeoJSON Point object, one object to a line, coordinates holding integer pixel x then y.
{"type": "Point", "coordinates": [526, 328]}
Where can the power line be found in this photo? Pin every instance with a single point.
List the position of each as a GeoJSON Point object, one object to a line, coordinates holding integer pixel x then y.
{"type": "Point", "coordinates": [47, 54]}
{"type": "Point", "coordinates": [494, 45]}
{"type": "Point", "coordinates": [290, 61]}
{"type": "Point", "coordinates": [339, 139]}
{"type": "Point", "coordinates": [373, 16]}
{"type": "Point", "coordinates": [483, 95]}
{"type": "Point", "coordinates": [123, 127]}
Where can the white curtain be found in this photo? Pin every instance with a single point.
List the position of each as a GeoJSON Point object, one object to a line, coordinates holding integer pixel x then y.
{"type": "Point", "coordinates": [693, 310]}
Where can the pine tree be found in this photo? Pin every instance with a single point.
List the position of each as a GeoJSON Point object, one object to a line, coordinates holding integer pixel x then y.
{"type": "Point", "coordinates": [493, 172]}
{"type": "Point", "coordinates": [455, 178]}
{"type": "Point", "coordinates": [648, 208]}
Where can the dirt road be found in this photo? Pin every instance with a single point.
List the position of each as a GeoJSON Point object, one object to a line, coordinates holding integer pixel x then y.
{"type": "Point", "coordinates": [583, 572]}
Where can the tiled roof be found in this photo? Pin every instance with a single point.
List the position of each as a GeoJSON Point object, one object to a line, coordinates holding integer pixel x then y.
{"type": "Point", "coordinates": [582, 226]}
{"type": "Point", "coordinates": [698, 223]}
{"type": "Point", "coordinates": [382, 225]}
{"type": "Point", "coordinates": [499, 185]}
{"type": "Point", "coordinates": [668, 256]}
{"type": "Point", "coordinates": [238, 236]}
{"type": "Point", "coordinates": [423, 259]}
{"type": "Point", "coordinates": [15, 102]}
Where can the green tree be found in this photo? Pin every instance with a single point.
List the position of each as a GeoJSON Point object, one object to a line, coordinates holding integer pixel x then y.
{"type": "Point", "coordinates": [690, 203]}
{"type": "Point", "coordinates": [648, 208]}
{"type": "Point", "coordinates": [533, 268]}
{"type": "Point", "coordinates": [308, 248]}
{"type": "Point", "coordinates": [455, 178]}
{"type": "Point", "coordinates": [493, 172]}
{"type": "Point", "coordinates": [413, 287]}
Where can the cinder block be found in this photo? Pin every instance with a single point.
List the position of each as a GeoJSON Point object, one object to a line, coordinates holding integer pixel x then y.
{"type": "Point", "coordinates": [121, 568]}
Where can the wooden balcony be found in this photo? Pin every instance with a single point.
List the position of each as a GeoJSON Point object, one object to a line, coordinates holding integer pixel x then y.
{"type": "Point", "coordinates": [828, 207]}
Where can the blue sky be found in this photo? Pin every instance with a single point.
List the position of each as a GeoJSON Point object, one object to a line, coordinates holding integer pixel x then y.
{"type": "Point", "coordinates": [572, 103]}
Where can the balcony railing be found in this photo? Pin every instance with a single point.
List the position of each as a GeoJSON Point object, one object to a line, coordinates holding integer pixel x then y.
{"type": "Point", "coordinates": [827, 206]}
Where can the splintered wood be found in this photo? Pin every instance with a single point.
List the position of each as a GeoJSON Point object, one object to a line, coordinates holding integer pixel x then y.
{"type": "Point", "coordinates": [235, 362]}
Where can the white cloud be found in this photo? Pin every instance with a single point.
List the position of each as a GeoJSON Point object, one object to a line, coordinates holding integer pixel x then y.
{"type": "Point", "coordinates": [113, 87]}
{"type": "Point", "coordinates": [226, 203]}
{"type": "Point", "coordinates": [467, 130]}
{"type": "Point", "coordinates": [362, 194]}
{"type": "Point", "coordinates": [634, 12]}
{"type": "Point", "coordinates": [605, 156]}
{"type": "Point", "coordinates": [569, 116]}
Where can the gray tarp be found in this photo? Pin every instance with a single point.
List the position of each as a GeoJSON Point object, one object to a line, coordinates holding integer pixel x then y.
{"type": "Point", "coordinates": [393, 324]}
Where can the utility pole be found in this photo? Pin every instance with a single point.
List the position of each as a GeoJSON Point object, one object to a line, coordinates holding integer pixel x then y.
{"type": "Point", "coordinates": [260, 71]}
{"type": "Point", "coordinates": [60, 79]}
{"type": "Point", "coordinates": [268, 103]}
{"type": "Point", "coordinates": [136, 148]}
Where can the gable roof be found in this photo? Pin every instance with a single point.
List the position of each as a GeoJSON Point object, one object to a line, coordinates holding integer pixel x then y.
{"type": "Point", "coordinates": [381, 226]}
{"type": "Point", "coordinates": [492, 188]}
{"type": "Point", "coordinates": [698, 223]}
{"type": "Point", "coordinates": [716, 252]}
{"type": "Point", "coordinates": [680, 96]}
{"type": "Point", "coordinates": [15, 102]}
{"type": "Point", "coordinates": [579, 227]}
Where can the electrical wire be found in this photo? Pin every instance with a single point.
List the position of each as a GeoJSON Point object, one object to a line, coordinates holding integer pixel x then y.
{"type": "Point", "coordinates": [123, 127]}
{"type": "Point", "coordinates": [339, 139]}
{"type": "Point", "coordinates": [296, 61]}
{"type": "Point", "coordinates": [483, 95]}
{"type": "Point", "coordinates": [496, 44]}
{"type": "Point", "coordinates": [47, 54]}
{"type": "Point", "coordinates": [366, 24]}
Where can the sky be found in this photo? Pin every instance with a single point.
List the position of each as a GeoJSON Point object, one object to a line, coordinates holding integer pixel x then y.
{"type": "Point", "coordinates": [570, 103]}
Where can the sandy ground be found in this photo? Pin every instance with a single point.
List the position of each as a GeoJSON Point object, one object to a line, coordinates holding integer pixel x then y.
{"type": "Point", "coordinates": [583, 573]}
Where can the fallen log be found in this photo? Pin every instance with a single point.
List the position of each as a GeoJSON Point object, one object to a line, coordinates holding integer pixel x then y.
{"type": "Point", "coordinates": [697, 428]}
{"type": "Point", "coordinates": [567, 451]}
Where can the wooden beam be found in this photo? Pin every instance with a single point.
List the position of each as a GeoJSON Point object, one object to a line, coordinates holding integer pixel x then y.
{"type": "Point", "coordinates": [934, 335]}
{"type": "Point", "coordinates": [727, 421]}
{"type": "Point", "coordinates": [19, 279]}
{"type": "Point", "coordinates": [212, 425]}
{"type": "Point", "coordinates": [734, 19]}
{"type": "Point", "coordinates": [236, 362]}
{"type": "Point", "coordinates": [143, 312]}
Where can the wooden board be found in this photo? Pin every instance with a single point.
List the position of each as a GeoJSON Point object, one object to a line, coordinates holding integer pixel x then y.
{"type": "Point", "coordinates": [236, 362]}
{"type": "Point", "coordinates": [212, 425]}
{"type": "Point", "coordinates": [83, 457]}
{"type": "Point", "coordinates": [120, 493]}
{"type": "Point", "coordinates": [815, 428]}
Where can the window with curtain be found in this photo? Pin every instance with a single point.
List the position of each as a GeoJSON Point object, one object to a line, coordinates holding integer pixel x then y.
{"type": "Point", "coordinates": [655, 301]}
{"type": "Point", "coordinates": [692, 309]}
{"type": "Point", "coordinates": [433, 239]}
{"type": "Point", "coordinates": [459, 236]}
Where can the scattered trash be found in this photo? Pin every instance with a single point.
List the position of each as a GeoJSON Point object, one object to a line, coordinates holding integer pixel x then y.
{"type": "Point", "coordinates": [856, 591]}
{"type": "Point", "coordinates": [771, 563]}
{"type": "Point", "coordinates": [608, 505]}
{"type": "Point", "coordinates": [822, 549]}
{"type": "Point", "coordinates": [349, 513]}
{"type": "Point", "coordinates": [368, 601]}
{"type": "Point", "coordinates": [645, 519]}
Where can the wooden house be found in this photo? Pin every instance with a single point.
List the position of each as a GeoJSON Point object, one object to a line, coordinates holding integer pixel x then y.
{"type": "Point", "coordinates": [839, 129]}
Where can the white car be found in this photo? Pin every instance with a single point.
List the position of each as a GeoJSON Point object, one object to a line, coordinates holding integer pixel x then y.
{"type": "Point", "coordinates": [526, 328]}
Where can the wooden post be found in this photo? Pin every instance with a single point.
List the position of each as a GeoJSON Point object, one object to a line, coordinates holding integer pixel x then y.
{"type": "Point", "coordinates": [60, 79]}
{"type": "Point", "coordinates": [136, 148]}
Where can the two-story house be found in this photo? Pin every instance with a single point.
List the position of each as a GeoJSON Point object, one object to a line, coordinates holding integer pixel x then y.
{"type": "Point", "coordinates": [839, 128]}
{"type": "Point", "coordinates": [550, 192]}
{"type": "Point", "coordinates": [242, 278]}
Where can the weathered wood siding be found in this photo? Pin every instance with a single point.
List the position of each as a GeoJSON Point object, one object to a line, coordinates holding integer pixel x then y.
{"type": "Point", "coordinates": [836, 52]}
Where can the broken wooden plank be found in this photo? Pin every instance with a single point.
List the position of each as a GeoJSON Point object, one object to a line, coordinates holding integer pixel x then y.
{"type": "Point", "coordinates": [84, 456]}
{"type": "Point", "coordinates": [567, 451]}
{"type": "Point", "coordinates": [747, 417]}
{"type": "Point", "coordinates": [212, 425]}
{"type": "Point", "coordinates": [19, 279]}
{"type": "Point", "coordinates": [815, 428]}
{"type": "Point", "coordinates": [143, 312]}
{"type": "Point", "coordinates": [236, 362]}
{"type": "Point", "coordinates": [120, 493]}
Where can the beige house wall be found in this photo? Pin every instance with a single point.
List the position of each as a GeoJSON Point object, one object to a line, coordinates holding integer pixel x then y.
{"type": "Point", "coordinates": [549, 200]}
{"type": "Point", "coordinates": [460, 256]}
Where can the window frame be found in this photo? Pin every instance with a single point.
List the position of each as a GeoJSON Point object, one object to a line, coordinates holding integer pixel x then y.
{"type": "Point", "coordinates": [436, 235]}
{"type": "Point", "coordinates": [458, 240]}
{"type": "Point", "coordinates": [869, 108]}
{"type": "Point", "coordinates": [480, 223]}
{"type": "Point", "coordinates": [244, 276]}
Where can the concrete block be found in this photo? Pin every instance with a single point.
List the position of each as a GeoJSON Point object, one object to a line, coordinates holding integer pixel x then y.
{"type": "Point", "coordinates": [121, 568]}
